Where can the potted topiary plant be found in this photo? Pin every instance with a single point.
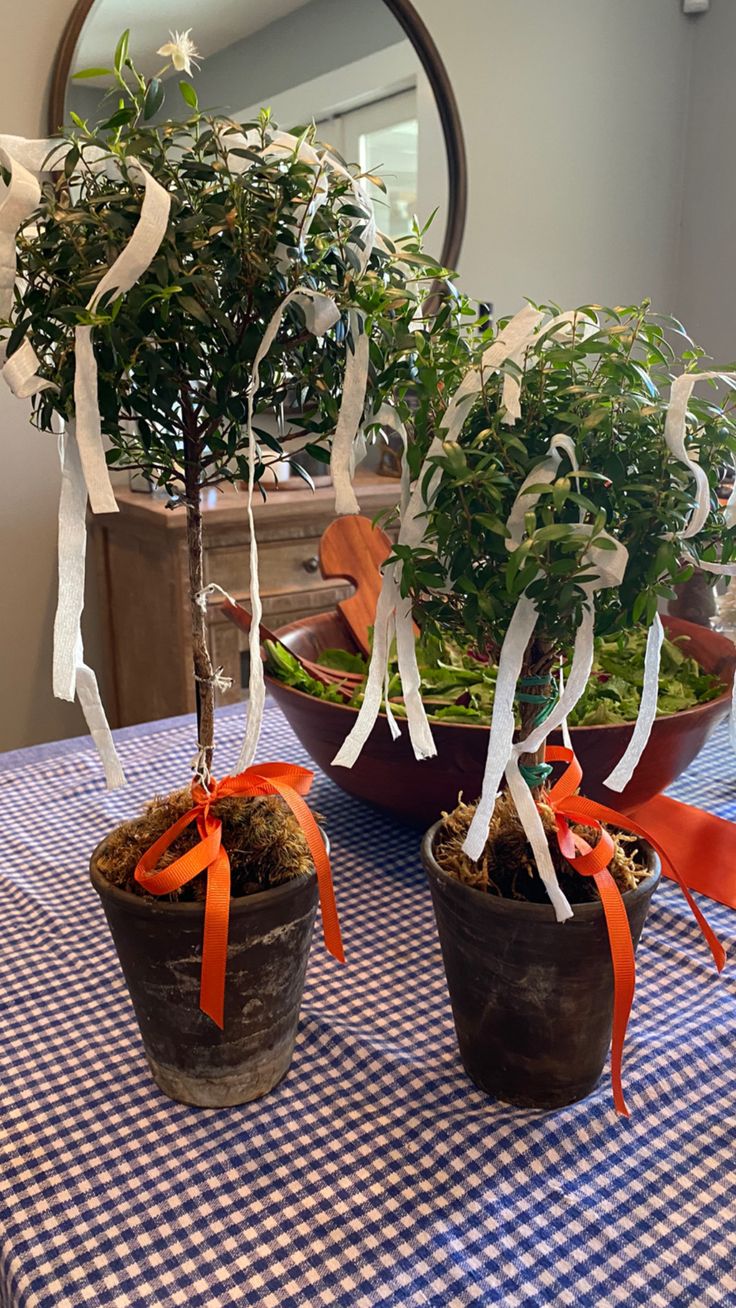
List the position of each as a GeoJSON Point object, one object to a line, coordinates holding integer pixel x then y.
{"type": "Point", "coordinates": [574, 484]}
{"type": "Point", "coordinates": [161, 285]}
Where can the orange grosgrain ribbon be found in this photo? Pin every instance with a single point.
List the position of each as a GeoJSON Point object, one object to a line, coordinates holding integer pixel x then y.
{"type": "Point", "coordinates": [284, 779]}
{"type": "Point", "coordinates": [593, 862]}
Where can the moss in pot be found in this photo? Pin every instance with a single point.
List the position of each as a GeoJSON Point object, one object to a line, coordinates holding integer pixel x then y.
{"type": "Point", "coordinates": [571, 485]}
{"type": "Point", "coordinates": [171, 282]}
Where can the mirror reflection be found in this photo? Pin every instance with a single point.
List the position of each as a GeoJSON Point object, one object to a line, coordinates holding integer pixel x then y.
{"type": "Point", "coordinates": [345, 64]}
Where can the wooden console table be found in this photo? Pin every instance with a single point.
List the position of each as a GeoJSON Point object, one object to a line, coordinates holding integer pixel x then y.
{"type": "Point", "coordinates": [142, 566]}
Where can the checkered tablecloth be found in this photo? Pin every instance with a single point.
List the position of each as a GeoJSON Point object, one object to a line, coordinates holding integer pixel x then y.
{"type": "Point", "coordinates": [375, 1173]}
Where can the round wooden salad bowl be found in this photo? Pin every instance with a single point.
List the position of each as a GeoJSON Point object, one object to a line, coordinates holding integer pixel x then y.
{"type": "Point", "coordinates": [388, 775]}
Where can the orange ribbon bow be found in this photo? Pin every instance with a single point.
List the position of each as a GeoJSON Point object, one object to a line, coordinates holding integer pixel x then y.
{"type": "Point", "coordinates": [593, 862]}
{"type": "Point", "coordinates": [283, 779]}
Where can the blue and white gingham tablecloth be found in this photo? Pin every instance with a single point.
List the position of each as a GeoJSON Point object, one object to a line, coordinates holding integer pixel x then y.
{"type": "Point", "coordinates": [375, 1173]}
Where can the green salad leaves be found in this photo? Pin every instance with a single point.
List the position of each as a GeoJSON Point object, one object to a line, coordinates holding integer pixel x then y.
{"type": "Point", "coordinates": [458, 685]}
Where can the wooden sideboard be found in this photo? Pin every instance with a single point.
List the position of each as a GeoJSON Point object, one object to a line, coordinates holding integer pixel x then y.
{"type": "Point", "coordinates": [140, 554]}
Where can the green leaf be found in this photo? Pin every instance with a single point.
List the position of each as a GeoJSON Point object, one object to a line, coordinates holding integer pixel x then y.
{"type": "Point", "coordinates": [189, 95]}
{"type": "Point", "coordinates": [193, 307]}
{"type": "Point", "coordinates": [92, 72]}
{"type": "Point", "coordinates": [119, 119]}
{"type": "Point", "coordinates": [121, 50]}
{"type": "Point", "coordinates": [154, 98]}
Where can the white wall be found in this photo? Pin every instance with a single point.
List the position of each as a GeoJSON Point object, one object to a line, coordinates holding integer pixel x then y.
{"type": "Point", "coordinates": [706, 285]}
{"type": "Point", "coordinates": [574, 113]}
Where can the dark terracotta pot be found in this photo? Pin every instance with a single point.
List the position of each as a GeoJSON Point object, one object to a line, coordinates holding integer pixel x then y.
{"type": "Point", "coordinates": [160, 950]}
{"type": "Point", "coordinates": [388, 775]}
{"type": "Point", "coordinates": [532, 998]}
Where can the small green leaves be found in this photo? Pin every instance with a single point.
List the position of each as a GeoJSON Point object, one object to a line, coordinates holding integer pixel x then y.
{"type": "Point", "coordinates": [609, 391]}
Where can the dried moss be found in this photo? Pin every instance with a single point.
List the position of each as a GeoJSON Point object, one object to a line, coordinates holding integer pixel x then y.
{"type": "Point", "coordinates": [507, 867]}
{"type": "Point", "coordinates": [264, 841]}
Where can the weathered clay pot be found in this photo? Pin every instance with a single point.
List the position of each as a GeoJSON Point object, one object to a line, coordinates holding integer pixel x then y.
{"type": "Point", "coordinates": [160, 950]}
{"type": "Point", "coordinates": [532, 998]}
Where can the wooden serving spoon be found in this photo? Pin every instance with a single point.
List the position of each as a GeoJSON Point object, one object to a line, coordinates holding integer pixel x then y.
{"type": "Point", "coordinates": [351, 547]}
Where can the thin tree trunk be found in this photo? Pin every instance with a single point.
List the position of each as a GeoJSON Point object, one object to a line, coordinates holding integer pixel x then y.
{"type": "Point", "coordinates": [203, 671]}
{"type": "Point", "coordinates": [539, 660]}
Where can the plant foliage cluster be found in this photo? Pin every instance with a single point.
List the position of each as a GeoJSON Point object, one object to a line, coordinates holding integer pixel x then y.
{"type": "Point", "coordinates": [175, 355]}
{"type": "Point", "coordinates": [606, 384]}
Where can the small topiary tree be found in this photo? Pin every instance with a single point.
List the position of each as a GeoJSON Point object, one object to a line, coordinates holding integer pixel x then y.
{"type": "Point", "coordinates": [574, 484]}
{"type": "Point", "coordinates": [257, 283]}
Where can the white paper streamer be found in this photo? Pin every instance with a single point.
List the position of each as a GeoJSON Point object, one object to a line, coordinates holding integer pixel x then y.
{"type": "Point", "coordinates": [38, 157]}
{"type": "Point", "coordinates": [624, 769]}
{"type": "Point", "coordinates": [129, 266]}
{"type": "Point", "coordinates": [564, 725]}
{"type": "Point", "coordinates": [503, 757]}
{"type": "Point", "coordinates": [674, 435]}
{"type": "Point", "coordinates": [321, 313]}
{"type": "Point", "coordinates": [71, 673]}
{"type": "Point", "coordinates": [375, 681]}
{"type": "Point", "coordinates": [344, 456]}
{"type": "Point", "coordinates": [21, 373]}
{"type": "Point", "coordinates": [393, 725]}
{"type": "Point", "coordinates": [501, 736]}
{"type": "Point", "coordinates": [544, 473]}
{"type": "Point", "coordinates": [350, 415]}
{"type": "Point", "coordinates": [537, 837]}
{"type": "Point", "coordinates": [389, 419]}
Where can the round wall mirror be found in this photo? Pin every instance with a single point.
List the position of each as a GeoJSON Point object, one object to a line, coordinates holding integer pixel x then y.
{"type": "Point", "coordinates": [366, 71]}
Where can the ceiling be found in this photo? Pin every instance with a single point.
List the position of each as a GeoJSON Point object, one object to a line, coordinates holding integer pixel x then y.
{"type": "Point", "coordinates": [214, 23]}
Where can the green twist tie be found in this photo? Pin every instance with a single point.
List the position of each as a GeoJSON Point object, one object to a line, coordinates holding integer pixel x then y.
{"type": "Point", "coordinates": [535, 774]}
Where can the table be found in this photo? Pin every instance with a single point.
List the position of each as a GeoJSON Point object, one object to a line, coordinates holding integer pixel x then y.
{"type": "Point", "coordinates": [375, 1173]}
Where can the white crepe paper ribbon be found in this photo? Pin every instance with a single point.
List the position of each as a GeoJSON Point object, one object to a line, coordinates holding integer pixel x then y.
{"type": "Point", "coordinates": [350, 415]}
{"type": "Point", "coordinates": [543, 474]}
{"type": "Point", "coordinates": [537, 837]}
{"type": "Point", "coordinates": [503, 722]}
{"type": "Point", "coordinates": [320, 313]}
{"type": "Point", "coordinates": [71, 673]}
{"type": "Point", "coordinates": [517, 334]}
{"type": "Point", "coordinates": [389, 420]}
{"type": "Point", "coordinates": [21, 373]}
{"type": "Point", "coordinates": [410, 533]}
{"type": "Point", "coordinates": [674, 434]}
{"type": "Point", "coordinates": [321, 161]}
{"type": "Point", "coordinates": [564, 725]}
{"type": "Point", "coordinates": [130, 265]}
{"type": "Point", "coordinates": [675, 428]}
{"type": "Point", "coordinates": [393, 725]}
{"type": "Point", "coordinates": [503, 757]}
{"type": "Point", "coordinates": [518, 634]}
{"type": "Point", "coordinates": [624, 769]}
{"type": "Point", "coordinates": [344, 456]}
{"type": "Point", "coordinates": [375, 683]}
{"type": "Point", "coordinates": [37, 156]}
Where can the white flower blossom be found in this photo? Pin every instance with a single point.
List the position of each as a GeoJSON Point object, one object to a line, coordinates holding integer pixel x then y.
{"type": "Point", "coordinates": [182, 52]}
